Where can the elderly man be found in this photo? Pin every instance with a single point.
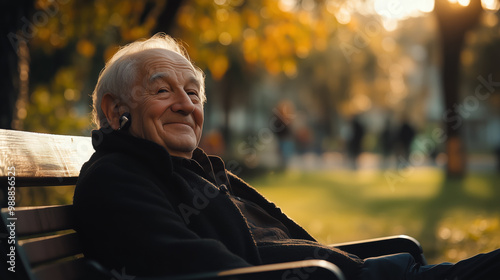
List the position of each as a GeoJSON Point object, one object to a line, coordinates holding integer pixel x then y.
{"type": "Point", "coordinates": [151, 202]}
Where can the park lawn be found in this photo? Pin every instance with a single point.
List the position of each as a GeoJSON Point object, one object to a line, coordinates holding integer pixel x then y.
{"type": "Point", "coordinates": [451, 219]}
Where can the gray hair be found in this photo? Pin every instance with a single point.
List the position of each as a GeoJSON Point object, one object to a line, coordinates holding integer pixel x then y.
{"type": "Point", "coordinates": [119, 75]}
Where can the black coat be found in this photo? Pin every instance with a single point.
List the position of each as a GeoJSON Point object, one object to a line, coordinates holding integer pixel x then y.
{"type": "Point", "coordinates": [139, 209]}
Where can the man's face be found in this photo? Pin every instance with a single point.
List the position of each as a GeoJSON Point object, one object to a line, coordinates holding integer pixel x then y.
{"type": "Point", "coordinates": [169, 110]}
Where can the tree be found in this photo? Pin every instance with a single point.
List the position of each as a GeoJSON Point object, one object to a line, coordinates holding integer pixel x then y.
{"type": "Point", "coordinates": [65, 40]}
{"type": "Point", "coordinates": [454, 22]}
{"type": "Point", "coordinates": [238, 40]}
{"type": "Point", "coordinates": [12, 51]}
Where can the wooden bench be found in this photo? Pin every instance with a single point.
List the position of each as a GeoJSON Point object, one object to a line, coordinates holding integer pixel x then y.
{"type": "Point", "coordinates": [47, 247]}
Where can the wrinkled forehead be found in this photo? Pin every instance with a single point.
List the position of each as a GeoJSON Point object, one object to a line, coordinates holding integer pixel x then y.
{"type": "Point", "coordinates": [154, 59]}
{"type": "Point", "coordinates": [156, 63]}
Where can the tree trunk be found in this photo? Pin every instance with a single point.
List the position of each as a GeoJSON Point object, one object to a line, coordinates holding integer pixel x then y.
{"type": "Point", "coordinates": [451, 50]}
{"type": "Point", "coordinates": [454, 22]}
{"type": "Point", "coordinates": [166, 20]}
{"type": "Point", "coordinates": [11, 15]}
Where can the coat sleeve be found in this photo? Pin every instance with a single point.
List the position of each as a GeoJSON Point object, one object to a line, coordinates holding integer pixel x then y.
{"type": "Point", "coordinates": [125, 222]}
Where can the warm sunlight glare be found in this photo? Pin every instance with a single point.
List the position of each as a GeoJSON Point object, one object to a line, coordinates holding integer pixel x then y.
{"type": "Point", "coordinates": [403, 9]}
{"type": "Point", "coordinates": [491, 5]}
{"type": "Point", "coordinates": [287, 5]}
{"type": "Point", "coordinates": [343, 16]}
{"type": "Point", "coordinates": [426, 6]}
{"type": "Point", "coordinates": [464, 3]}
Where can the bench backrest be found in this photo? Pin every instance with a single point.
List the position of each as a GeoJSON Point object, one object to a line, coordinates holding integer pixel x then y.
{"type": "Point", "coordinates": [46, 245]}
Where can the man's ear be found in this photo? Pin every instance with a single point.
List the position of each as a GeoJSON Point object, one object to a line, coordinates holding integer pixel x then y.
{"type": "Point", "coordinates": [109, 106]}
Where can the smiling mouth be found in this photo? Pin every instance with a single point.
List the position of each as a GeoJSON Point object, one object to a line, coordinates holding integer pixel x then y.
{"type": "Point", "coordinates": [179, 123]}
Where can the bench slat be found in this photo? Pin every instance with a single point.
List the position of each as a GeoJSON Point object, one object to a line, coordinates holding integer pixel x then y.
{"type": "Point", "coordinates": [43, 219]}
{"type": "Point", "coordinates": [40, 155]}
{"type": "Point", "coordinates": [45, 249]}
{"type": "Point", "coordinates": [44, 181]}
{"type": "Point", "coordinates": [68, 270]}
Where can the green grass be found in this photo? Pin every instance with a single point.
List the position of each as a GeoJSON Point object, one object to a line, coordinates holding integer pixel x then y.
{"type": "Point", "coordinates": [451, 219]}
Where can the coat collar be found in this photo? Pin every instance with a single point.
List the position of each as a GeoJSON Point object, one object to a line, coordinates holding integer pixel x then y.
{"type": "Point", "coordinates": [211, 168]}
{"type": "Point", "coordinates": [112, 141]}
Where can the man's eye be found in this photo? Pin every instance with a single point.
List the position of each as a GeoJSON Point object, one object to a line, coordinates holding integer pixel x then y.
{"type": "Point", "coordinates": [162, 90]}
{"type": "Point", "coordinates": [193, 95]}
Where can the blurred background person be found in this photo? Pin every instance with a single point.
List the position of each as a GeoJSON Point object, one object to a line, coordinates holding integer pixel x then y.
{"type": "Point", "coordinates": [355, 141]}
{"type": "Point", "coordinates": [404, 138]}
{"type": "Point", "coordinates": [494, 138]}
{"type": "Point", "coordinates": [283, 115]}
{"type": "Point", "coordinates": [386, 143]}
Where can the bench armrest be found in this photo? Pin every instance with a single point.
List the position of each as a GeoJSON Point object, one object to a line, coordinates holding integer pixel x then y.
{"type": "Point", "coordinates": [385, 246]}
{"type": "Point", "coordinates": [307, 269]}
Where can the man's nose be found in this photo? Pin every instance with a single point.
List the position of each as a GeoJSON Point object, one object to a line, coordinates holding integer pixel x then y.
{"type": "Point", "coordinates": [183, 103]}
